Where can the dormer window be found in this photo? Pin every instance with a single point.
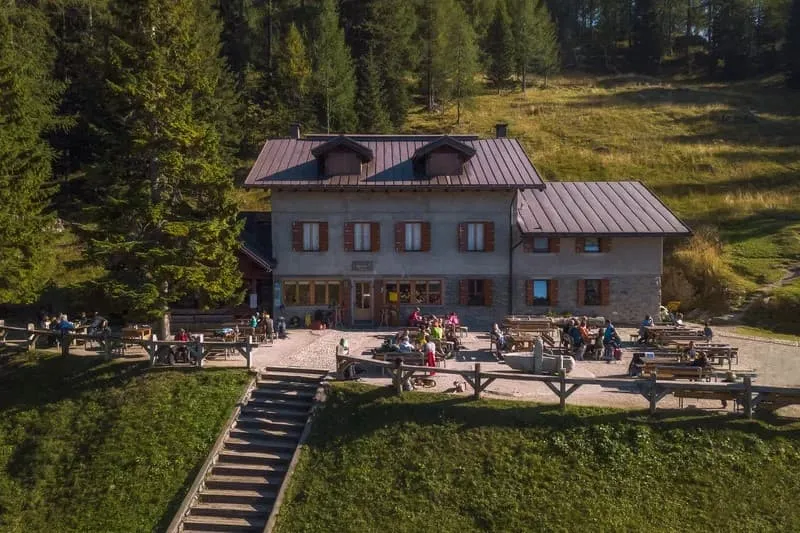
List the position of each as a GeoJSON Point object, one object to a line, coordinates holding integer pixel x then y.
{"type": "Point", "coordinates": [341, 156]}
{"type": "Point", "coordinates": [443, 157]}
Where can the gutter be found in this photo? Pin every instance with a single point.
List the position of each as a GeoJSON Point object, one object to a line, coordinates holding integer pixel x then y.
{"type": "Point", "coordinates": [511, 247]}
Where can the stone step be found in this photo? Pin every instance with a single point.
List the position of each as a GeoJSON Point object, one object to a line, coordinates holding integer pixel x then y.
{"type": "Point", "coordinates": [249, 469]}
{"type": "Point", "coordinates": [261, 409]}
{"type": "Point", "coordinates": [294, 370]}
{"type": "Point", "coordinates": [251, 444]}
{"type": "Point", "coordinates": [231, 510]}
{"type": "Point", "coordinates": [215, 523]}
{"type": "Point", "coordinates": [257, 482]}
{"type": "Point", "coordinates": [270, 422]}
{"type": "Point", "coordinates": [278, 383]}
{"type": "Point", "coordinates": [295, 403]}
{"type": "Point", "coordinates": [249, 457]}
{"type": "Point", "coordinates": [282, 393]}
{"type": "Point", "coordinates": [252, 497]}
{"type": "Point", "coordinates": [262, 433]}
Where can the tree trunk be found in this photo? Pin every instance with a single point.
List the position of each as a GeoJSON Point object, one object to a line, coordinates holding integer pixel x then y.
{"type": "Point", "coordinates": [524, 84]}
{"type": "Point", "coordinates": [164, 326]}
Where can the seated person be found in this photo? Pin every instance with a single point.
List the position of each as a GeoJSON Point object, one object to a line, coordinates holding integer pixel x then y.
{"type": "Point", "coordinates": [415, 319]}
{"type": "Point", "coordinates": [500, 338]}
{"type": "Point", "coordinates": [452, 320]}
{"type": "Point", "coordinates": [646, 323]}
{"type": "Point", "coordinates": [64, 324]}
{"type": "Point", "coordinates": [707, 332]}
{"type": "Point", "coordinates": [700, 360]}
{"type": "Point", "coordinates": [437, 333]}
{"type": "Point", "coordinates": [405, 346]}
{"type": "Point", "coordinates": [636, 367]}
{"type": "Point", "coordinates": [690, 352]}
{"type": "Point", "coordinates": [420, 338]}
{"type": "Point", "coordinates": [254, 321]}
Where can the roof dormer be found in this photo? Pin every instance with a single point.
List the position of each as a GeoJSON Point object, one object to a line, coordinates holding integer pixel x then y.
{"type": "Point", "coordinates": [341, 156]}
{"type": "Point", "coordinates": [442, 157]}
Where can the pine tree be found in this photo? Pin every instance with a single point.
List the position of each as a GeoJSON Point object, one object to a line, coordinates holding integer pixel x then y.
{"type": "Point", "coordinates": [535, 37]}
{"type": "Point", "coordinates": [166, 225]}
{"type": "Point", "coordinates": [27, 104]}
{"type": "Point", "coordinates": [646, 51]}
{"type": "Point", "coordinates": [392, 25]}
{"type": "Point", "coordinates": [733, 38]}
{"type": "Point", "coordinates": [793, 46]}
{"type": "Point", "coordinates": [500, 48]}
{"type": "Point", "coordinates": [334, 75]}
{"type": "Point", "coordinates": [373, 116]}
{"type": "Point", "coordinates": [294, 76]}
{"type": "Point", "coordinates": [463, 51]}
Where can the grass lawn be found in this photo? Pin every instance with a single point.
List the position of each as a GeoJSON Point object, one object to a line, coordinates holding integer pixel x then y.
{"type": "Point", "coordinates": [758, 332]}
{"type": "Point", "coordinates": [433, 462]}
{"type": "Point", "coordinates": [724, 155]}
{"type": "Point", "coordinates": [97, 447]}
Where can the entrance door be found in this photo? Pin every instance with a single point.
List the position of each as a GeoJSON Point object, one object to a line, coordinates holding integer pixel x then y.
{"type": "Point", "coordinates": [362, 310]}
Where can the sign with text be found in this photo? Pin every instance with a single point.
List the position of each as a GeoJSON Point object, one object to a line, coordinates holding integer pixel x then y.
{"type": "Point", "coordinates": [362, 266]}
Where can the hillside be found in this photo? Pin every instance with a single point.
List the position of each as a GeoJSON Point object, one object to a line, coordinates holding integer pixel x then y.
{"type": "Point", "coordinates": [720, 155]}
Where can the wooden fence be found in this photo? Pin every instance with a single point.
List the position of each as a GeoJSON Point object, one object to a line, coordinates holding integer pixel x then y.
{"type": "Point", "coordinates": [749, 396]}
{"type": "Point", "coordinates": [109, 345]}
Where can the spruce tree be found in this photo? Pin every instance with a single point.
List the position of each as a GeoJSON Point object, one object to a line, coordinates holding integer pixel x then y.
{"type": "Point", "coordinates": [294, 76]}
{"type": "Point", "coordinates": [165, 228]}
{"type": "Point", "coordinates": [334, 81]}
{"type": "Point", "coordinates": [372, 114]}
{"type": "Point", "coordinates": [500, 49]}
{"type": "Point", "coordinates": [535, 38]}
{"type": "Point", "coordinates": [27, 104]}
{"type": "Point", "coordinates": [793, 46]}
{"type": "Point", "coordinates": [646, 51]}
{"type": "Point", "coordinates": [463, 52]}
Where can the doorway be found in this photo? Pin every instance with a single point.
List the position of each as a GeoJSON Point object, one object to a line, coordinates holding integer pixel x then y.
{"type": "Point", "coordinates": [362, 308]}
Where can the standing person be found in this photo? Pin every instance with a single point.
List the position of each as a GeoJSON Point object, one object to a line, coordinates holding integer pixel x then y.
{"type": "Point", "coordinates": [577, 341]}
{"type": "Point", "coordinates": [608, 341]}
{"type": "Point", "coordinates": [430, 353]}
{"type": "Point", "coordinates": [707, 332]}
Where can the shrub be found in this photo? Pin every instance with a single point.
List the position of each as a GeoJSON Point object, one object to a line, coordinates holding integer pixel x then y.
{"type": "Point", "coordinates": [778, 311]}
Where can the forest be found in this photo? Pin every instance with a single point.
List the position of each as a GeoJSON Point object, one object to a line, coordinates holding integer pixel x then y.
{"type": "Point", "coordinates": [125, 124]}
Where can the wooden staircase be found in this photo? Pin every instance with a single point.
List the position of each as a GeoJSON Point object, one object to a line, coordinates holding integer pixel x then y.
{"type": "Point", "coordinates": [238, 487]}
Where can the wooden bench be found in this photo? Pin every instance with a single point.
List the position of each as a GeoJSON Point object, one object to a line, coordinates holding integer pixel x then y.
{"type": "Point", "coordinates": [772, 401]}
{"type": "Point", "coordinates": [723, 396]}
{"type": "Point", "coordinates": [408, 358]}
{"type": "Point", "coordinates": [670, 372]}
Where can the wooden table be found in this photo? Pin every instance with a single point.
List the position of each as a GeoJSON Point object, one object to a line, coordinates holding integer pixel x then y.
{"type": "Point", "coordinates": [136, 333]}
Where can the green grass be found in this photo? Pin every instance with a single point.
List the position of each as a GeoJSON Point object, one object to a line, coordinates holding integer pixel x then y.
{"type": "Point", "coordinates": [87, 446]}
{"type": "Point", "coordinates": [725, 155]}
{"type": "Point", "coordinates": [758, 332]}
{"type": "Point", "coordinates": [434, 462]}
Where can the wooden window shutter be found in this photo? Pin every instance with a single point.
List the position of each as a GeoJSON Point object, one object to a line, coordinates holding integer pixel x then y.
{"type": "Point", "coordinates": [528, 292]}
{"type": "Point", "coordinates": [323, 236]}
{"type": "Point", "coordinates": [488, 236]}
{"type": "Point", "coordinates": [580, 244]}
{"type": "Point", "coordinates": [375, 236]}
{"type": "Point", "coordinates": [527, 244]}
{"type": "Point", "coordinates": [297, 236]}
{"type": "Point", "coordinates": [349, 238]}
{"type": "Point", "coordinates": [581, 291]}
{"type": "Point", "coordinates": [552, 291]}
{"type": "Point", "coordinates": [605, 245]}
{"type": "Point", "coordinates": [462, 237]}
{"type": "Point", "coordinates": [487, 292]}
{"type": "Point", "coordinates": [400, 237]}
{"type": "Point", "coordinates": [605, 291]}
{"type": "Point", "coordinates": [463, 292]}
{"type": "Point", "coordinates": [426, 236]}
{"type": "Point", "coordinates": [554, 245]}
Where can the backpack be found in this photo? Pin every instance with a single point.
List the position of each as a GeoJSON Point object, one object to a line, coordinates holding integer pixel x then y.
{"type": "Point", "coordinates": [617, 354]}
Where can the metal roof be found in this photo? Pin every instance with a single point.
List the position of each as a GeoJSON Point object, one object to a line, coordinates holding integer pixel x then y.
{"type": "Point", "coordinates": [497, 164]}
{"type": "Point", "coordinates": [256, 237]}
{"type": "Point", "coordinates": [622, 208]}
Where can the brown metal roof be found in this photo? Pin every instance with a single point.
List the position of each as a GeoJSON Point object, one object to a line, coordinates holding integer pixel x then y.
{"type": "Point", "coordinates": [497, 164]}
{"type": "Point", "coordinates": [623, 208]}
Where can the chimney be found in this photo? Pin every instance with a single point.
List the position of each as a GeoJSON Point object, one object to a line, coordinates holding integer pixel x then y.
{"type": "Point", "coordinates": [501, 130]}
{"type": "Point", "coordinates": [294, 130]}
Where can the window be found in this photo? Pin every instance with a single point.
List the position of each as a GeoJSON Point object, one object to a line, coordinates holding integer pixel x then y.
{"type": "Point", "coordinates": [541, 292]}
{"type": "Point", "coordinates": [311, 236]}
{"type": "Point", "coordinates": [413, 236]}
{"type": "Point", "coordinates": [541, 245]}
{"type": "Point", "coordinates": [362, 238]}
{"type": "Point", "coordinates": [475, 292]}
{"type": "Point", "coordinates": [592, 292]}
{"type": "Point", "coordinates": [423, 292]}
{"type": "Point", "coordinates": [475, 240]}
{"type": "Point", "coordinates": [322, 293]}
{"type": "Point", "coordinates": [591, 245]}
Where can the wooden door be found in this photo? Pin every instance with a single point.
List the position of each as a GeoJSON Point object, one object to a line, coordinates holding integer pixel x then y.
{"type": "Point", "coordinates": [362, 306]}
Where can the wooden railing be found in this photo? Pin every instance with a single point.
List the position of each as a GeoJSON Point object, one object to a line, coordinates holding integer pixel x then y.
{"type": "Point", "coordinates": [199, 348]}
{"type": "Point", "coordinates": [749, 396]}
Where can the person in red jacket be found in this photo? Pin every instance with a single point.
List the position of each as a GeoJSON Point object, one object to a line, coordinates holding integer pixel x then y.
{"type": "Point", "coordinates": [415, 318]}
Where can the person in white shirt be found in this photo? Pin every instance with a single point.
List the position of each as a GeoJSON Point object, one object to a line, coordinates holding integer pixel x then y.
{"type": "Point", "coordinates": [429, 349]}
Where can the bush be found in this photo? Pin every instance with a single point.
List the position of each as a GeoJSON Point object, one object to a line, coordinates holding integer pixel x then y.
{"type": "Point", "coordinates": [779, 311]}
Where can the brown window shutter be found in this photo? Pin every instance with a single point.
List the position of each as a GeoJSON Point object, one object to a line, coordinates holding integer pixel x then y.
{"type": "Point", "coordinates": [605, 291]}
{"type": "Point", "coordinates": [463, 292]}
{"type": "Point", "coordinates": [487, 292]}
{"type": "Point", "coordinates": [349, 239]}
{"type": "Point", "coordinates": [462, 237]}
{"type": "Point", "coordinates": [400, 237]}
{"type": "Point", "coordinates": [527, 244]}
{"type": "Point", "coordinates": [554, 243]}
{"type": "Point", "coordinates": [297, 236]}
{"type": "Point", "coordinates": [323, 236]}
{"type": "Point", "coordinates": [426, 236]}
{"type": "Point", "coordinates": [581, 291]}
{"type": "Point", "coordinates": [375, 236]}
{"type": "Point", "coordinates": [528, 292]}
{"type": "Point", "coordinates": [552, 291]}
{"type": "Point", "coordinates": [488, 236]}
{"type": "Point", "coordinates": [580, 243]}
{"type": "Point", "coordinates": [605, 245]}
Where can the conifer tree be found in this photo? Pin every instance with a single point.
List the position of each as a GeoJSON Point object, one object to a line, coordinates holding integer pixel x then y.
{"type": "Point", "coordinates": [27, 104]}
{"type": "Point", "coordinates": [334, 82]}
{"type": "Point", "coordinates": [499, 47]}
{"type": "Point", "coordinates": [463, 52]}
{"type": "Point", "coordinates": [166, 225]}
{"type": "Point", "coordinates": [646, 51]}
{"type": "Point", "coordinates": [793, 46]}
{"type": "Point", "coordinates": [294, 76]}
{"type": "Point", "coordinates": [373, 116]}
{"type": "Point", "coordinates": [535, 38]}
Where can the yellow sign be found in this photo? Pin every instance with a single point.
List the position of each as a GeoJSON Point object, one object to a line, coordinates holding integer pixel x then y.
{"type": "Point", "coordinates": [673, 305]}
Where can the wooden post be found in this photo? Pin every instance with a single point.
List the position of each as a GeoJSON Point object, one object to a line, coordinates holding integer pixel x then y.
{"type": "Point", "coordinates": [249, 350]}
{"type": "Point", "coordinates": [477, 391]}
{"type": "Point", "coordinates": [151, 351]}
{"type": "Point", "coordinates": [653, 392]}
{"type": "Point", "coordinates": [66, 340]}
{"type": "Point", "coordinates": [200, 350]}
{"type": "Point", "coordinates": [562, 379]}
{"type": "Point", "coordinates": [748, 397]}
{"type": "Point", "coordinates": [31, 345]}
{"type": "Point", "coordinates": [106, 346]}
{"type": "Point", "coordinates": [397, 375]}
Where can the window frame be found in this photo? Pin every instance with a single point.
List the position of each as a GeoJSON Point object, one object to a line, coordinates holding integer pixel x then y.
{"type": "Point", "coordinates": [293, 286]}
{"type": "Point", "coordinates": [536, 250]}
{"type": "Point", "coordinates": [599, 292]}
{"type": "Point", "coordinates": [476, 236]}
{"type": "Point", "coordinates": [475, 297]}
{"type": "Point", "coordinates": [413, 292]}
{"type": "Point", "coordinates": [592, 250]}
{"type": "Point", "coordinates": [365, 231]}
{"type": "Point", "coordinates": [310, 230]}
{"type": "Point", "coordinates": [548, 297]}
{"type": "Point", "coordinates": [413, 233]}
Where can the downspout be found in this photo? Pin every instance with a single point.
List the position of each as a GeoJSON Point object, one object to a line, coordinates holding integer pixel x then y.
{"type": "Point", "coordinates": [511, 247]}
